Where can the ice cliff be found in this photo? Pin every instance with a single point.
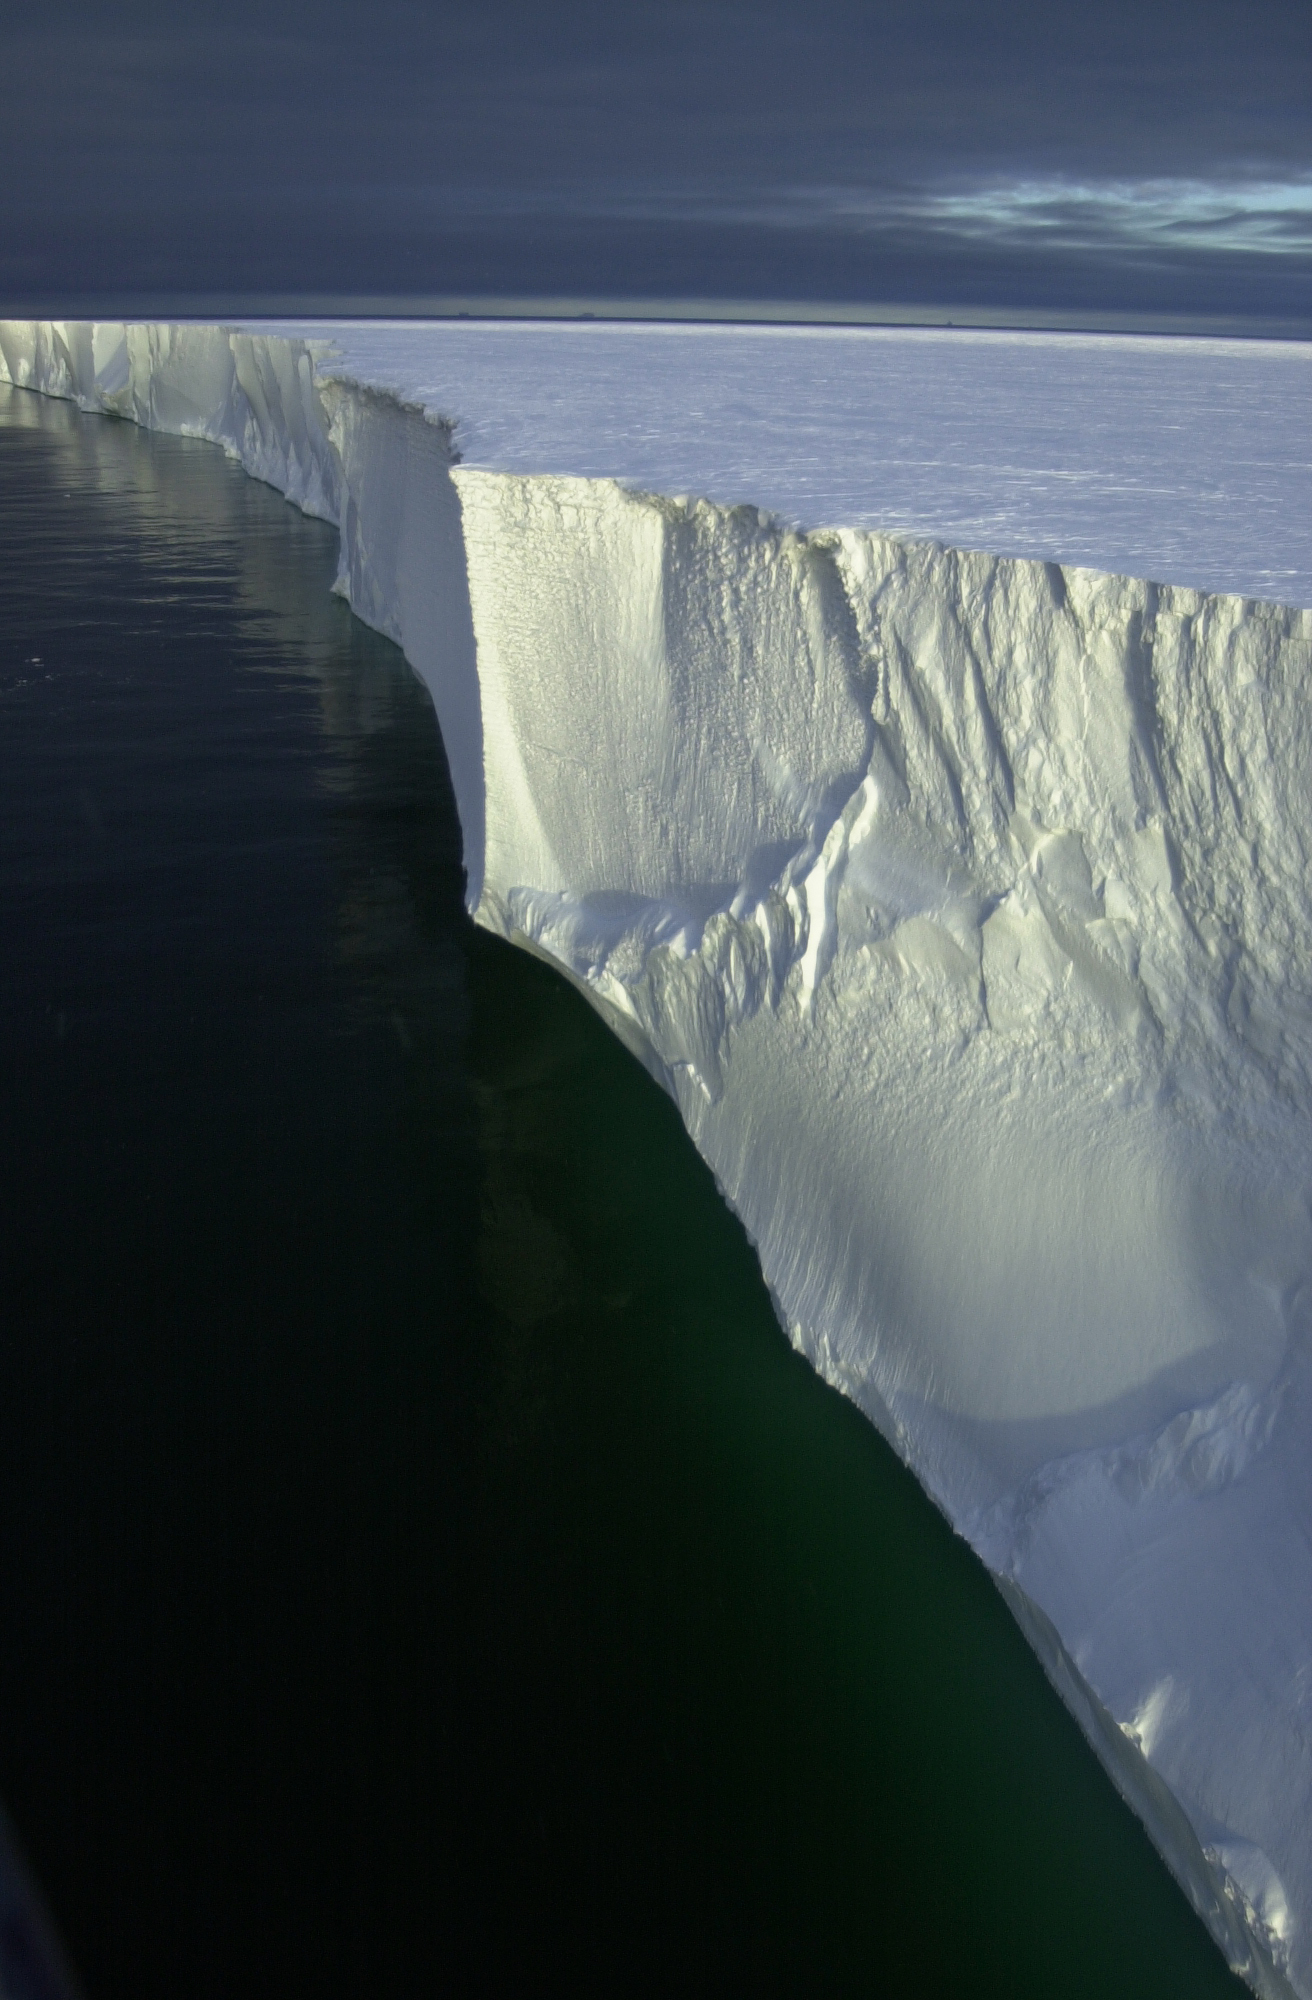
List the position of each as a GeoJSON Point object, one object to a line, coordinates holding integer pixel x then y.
{"type": "Point", "coordinates": [962, 903]}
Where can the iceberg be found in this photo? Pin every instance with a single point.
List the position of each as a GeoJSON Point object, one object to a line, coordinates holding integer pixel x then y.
{"type": "Point", "coordinates": [960, 900]}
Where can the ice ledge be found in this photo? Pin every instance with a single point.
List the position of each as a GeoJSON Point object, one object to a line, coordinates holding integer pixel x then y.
{"type": "Point", "coordinates": [962, 906]}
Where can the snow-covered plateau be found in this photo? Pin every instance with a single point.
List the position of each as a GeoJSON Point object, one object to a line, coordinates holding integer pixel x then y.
{"type": "Point", "coordinates": [961, 900]}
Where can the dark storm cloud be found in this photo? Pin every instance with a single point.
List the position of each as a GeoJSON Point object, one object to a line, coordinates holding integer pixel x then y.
{"type": "Point", "coordinates": [1112, 155]}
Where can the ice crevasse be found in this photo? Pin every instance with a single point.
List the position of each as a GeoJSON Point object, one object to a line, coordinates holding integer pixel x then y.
{"type": "Point", "coordinates": [963, 905]}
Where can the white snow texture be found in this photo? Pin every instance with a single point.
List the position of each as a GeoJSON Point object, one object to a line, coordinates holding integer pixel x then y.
{"type": "Point", "coordinates": [960, 901]}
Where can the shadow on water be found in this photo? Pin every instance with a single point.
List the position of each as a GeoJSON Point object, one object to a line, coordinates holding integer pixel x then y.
{"type": "Point", "coordinates": [424, 1566]}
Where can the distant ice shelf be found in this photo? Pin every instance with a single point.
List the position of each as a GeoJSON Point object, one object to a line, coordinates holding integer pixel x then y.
{"type": "Point", "coordinates": [960, 900]}
{"type": "Point", "coordinates": [1185, 460]}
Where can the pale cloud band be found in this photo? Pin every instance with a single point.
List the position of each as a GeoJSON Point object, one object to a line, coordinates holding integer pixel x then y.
{"type": "Point", "coordinates": [1264, 217]}
{"type": "Point", "coordinates": [1267, 217]}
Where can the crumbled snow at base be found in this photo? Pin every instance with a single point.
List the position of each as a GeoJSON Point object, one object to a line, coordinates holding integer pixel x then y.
{"type": "Point", "coordinates": [962, 904]}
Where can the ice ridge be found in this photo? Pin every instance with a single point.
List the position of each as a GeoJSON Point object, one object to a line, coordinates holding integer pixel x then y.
{"type": "Point", "coordinates": [962, 904]}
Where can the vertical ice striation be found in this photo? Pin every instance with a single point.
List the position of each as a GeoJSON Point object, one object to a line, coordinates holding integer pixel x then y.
{"type": "Point", "coordinates": [962, 903]}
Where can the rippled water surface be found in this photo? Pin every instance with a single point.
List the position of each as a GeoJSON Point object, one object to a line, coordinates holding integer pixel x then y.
{"type": "Point", "coordinates": [424, 1567]}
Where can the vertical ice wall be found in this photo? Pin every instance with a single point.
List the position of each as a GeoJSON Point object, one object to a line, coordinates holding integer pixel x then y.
{"type": "Point", "coordinates": [963, 906]}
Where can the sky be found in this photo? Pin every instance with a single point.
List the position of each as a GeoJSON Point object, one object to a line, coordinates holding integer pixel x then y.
{"type": "Point", "coordinates": [1121, 157]}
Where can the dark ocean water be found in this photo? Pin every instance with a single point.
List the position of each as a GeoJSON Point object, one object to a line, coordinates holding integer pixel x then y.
{"type": "Point", "coordinates": [424, 1567]}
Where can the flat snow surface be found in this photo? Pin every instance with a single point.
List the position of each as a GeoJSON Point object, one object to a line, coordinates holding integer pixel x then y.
{"type": "Point", "coordinates": [1187, 461]}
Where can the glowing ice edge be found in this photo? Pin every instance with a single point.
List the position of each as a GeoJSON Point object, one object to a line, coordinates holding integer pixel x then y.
{"type": "Point", "coordinates": [962, 905]}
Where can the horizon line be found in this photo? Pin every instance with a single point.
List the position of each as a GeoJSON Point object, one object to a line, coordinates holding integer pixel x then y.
{"type": "Point", "coordinates": [228, 306]}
